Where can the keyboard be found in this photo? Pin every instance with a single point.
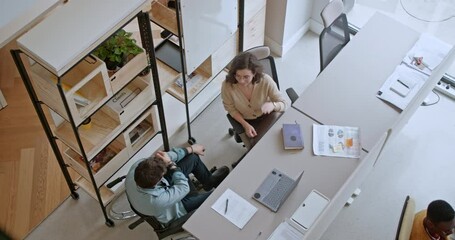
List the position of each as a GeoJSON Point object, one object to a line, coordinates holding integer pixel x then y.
{"type": "Point", "coordinates": [278, 191]}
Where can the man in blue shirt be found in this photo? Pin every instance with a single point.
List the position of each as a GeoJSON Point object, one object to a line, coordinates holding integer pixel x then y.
{"type": "Point", "coordinates": [159, 186]}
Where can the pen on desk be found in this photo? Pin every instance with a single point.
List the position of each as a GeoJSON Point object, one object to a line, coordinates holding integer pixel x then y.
{"type": "Point", "coordinates": [226, 207]}
{"type": "Point", "coordinates": [402, 83]}
{"type": "Point", "coordinates": [259, 234]}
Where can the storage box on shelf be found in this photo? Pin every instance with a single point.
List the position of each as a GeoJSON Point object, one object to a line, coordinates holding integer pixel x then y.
{"type": "Point", "coordinates": [132, 99]}
{"type": "Point", "coordinates": [86, 87]}
{"type": "Point", "coordinates": [143, 129]}
{"type": "Point", "coordinates": [114, 155]}
{"type": "Point", "coordinates": [135, 65]}
{"type": "Point", "coordinates": [164, 16]}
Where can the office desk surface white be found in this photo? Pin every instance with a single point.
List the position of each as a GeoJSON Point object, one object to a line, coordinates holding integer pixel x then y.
{"type": "Point", "coordinates": [345, 92]}
{"type": "Point", "coordinates": [326, 174]}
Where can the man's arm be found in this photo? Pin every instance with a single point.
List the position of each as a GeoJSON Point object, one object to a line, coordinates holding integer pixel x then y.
{"type": "Point", "coordinates": [176, 192]}
{"type": "Point", "coordinates": [176, 154]}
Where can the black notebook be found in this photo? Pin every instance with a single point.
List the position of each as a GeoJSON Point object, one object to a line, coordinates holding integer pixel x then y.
{"type": "Point", "coordinates": [292, 136]}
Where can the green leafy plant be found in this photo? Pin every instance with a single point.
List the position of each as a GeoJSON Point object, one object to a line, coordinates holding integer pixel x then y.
{"type": "Point", "coordinates": [116, 50]}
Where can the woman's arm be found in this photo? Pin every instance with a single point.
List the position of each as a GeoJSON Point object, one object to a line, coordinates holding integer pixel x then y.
{"type": "Point", "coordinates": [276, 99]}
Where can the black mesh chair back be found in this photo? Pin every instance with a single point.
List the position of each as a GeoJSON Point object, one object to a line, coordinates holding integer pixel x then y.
{"type": "Point", "coordinates": [332, 39]}
{"type": "Point", "coordinates": [262, 53]}
{"type": "Point", "coordinates": [161, 230]}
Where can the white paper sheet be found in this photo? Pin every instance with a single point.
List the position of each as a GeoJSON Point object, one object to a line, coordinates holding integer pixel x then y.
{"type": "Point", "coordinates": [285, 231]}
{"type": "Point", "coordinates": [337, 141]}
{"type": "Point", "coordinates": [411, 81]}
{"type": "Point", "coordinates": [409, 77]}
{"type": "Point", "coordinates": [234, 208]}
{"type": "Point", "coordinates": [432, 51]}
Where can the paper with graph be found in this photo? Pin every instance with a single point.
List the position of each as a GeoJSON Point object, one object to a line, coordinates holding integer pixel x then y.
{"type": "Point", "coordinates": [337, 141]}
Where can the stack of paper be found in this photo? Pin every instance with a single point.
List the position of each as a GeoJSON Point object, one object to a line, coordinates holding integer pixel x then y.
{"type": "Point", "coordinates": [402, 86]}
{"type": "Point", "coordinates": [409, 77]}
{"type": "Point", "coordinates": [426, 54]}
{"type": "Point", "coordinates": [329, 140]}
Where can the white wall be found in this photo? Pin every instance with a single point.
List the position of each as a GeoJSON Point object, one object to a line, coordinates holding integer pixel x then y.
{"type": "Point", "coordinates": [274, 24]}
{"type": "Point", "coordinates": [317, 8]}
{"type": "Point", "coordinates": [286, 22]}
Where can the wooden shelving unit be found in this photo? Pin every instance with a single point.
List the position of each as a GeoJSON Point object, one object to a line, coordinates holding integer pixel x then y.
{"type": "Point", "coordinates": [103, 119]}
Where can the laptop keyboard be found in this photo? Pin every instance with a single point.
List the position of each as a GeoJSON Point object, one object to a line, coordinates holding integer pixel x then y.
{"type": "Point", "coordinates": [278, 191]}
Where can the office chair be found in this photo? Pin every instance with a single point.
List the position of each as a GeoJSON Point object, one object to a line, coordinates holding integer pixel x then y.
{"type": "Point", "coordinates": [172, 230]}
{"type": "Point", "coordinates": [406, 220]}
{"type": "Point", "coordinates": [335, 34]}
{"type": "Point", "coordinates": [262, 53]}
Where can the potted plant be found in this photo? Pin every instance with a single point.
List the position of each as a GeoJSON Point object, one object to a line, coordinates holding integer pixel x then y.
{"type": "Point", "coordinates": [117, 50]}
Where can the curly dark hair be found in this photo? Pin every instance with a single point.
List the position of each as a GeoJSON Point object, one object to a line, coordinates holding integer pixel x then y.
{"type": "Point", "coordinates": [440, 211]}
{"type": "Point", "coordinates": [245, 60]}
{"type": "Point", "coordinates": [149, 172]}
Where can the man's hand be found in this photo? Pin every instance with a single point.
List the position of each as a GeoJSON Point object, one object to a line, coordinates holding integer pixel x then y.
{"type": "Point", "coordinates": [197, 149]}
{"type": "Point", "coordinates": [165, 158]}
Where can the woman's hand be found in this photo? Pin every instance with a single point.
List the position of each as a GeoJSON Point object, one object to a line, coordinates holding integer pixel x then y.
{"type": "Point", "coordinates": [197, 148]}
{"type": "Point", "coordinates": [249, 130]}
{"type": "Point", "coordinates": [267, 107]}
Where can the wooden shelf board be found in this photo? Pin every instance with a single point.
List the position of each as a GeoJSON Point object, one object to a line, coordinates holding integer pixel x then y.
{"type": "Point", "coordinates": [164, 17]}
{"type": "Point", "coordinates": [192, 90]}
{"type": "Point", "coordinates": [94, 136]}
{"type": "Point", "coordinates": [106, 194]}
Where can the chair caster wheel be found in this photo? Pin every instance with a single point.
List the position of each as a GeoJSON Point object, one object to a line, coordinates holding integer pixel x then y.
{"type": "Point", "coordinates": [75, 195]}
{"type": "Point", "coordinates": [231, 132]}
{"type": "Point", "coordinates": [237, 138]}
{"type": "Point", "coordinates": [110, 223]}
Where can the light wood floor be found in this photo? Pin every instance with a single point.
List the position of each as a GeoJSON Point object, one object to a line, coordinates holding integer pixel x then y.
{"type": "Point", "coordinates": [31, 183]}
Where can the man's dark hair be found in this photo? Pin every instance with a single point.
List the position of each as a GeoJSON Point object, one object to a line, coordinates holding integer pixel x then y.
{"type": "Point", "coordinates": [440, 211]}
{"type": "Point", "coordinates": [149, 172]}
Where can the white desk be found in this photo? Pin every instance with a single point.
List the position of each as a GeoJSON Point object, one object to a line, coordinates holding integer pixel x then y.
{"type": "Point", "coordinates": [326, 174]}
{"type": "Point", "coordinates": [345, 92]}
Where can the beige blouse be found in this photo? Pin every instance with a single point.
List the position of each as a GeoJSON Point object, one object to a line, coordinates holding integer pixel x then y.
{"type": "Point", "coordinates": [266, 90]}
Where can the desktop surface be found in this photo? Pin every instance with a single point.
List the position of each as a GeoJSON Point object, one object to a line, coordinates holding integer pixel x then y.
{"type": "Point", "coordinates": [326, 174]}
{"type": "Point", "coordinates": [346, 90]}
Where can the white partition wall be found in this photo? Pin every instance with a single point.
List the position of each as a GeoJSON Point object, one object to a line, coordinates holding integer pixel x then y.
{"type": "Point", "coordinates": [206, 26]}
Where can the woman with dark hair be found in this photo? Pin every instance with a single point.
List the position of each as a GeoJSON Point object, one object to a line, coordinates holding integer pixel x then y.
{"type": "Point", "coordinates": [248, 94]}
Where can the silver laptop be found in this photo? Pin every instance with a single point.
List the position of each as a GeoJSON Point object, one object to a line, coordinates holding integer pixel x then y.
{"type": "Point", "coordinates": [275, 189]}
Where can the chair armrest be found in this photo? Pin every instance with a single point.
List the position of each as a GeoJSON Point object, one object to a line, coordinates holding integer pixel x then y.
{"type": "Point", "coordinates": [292, 94]}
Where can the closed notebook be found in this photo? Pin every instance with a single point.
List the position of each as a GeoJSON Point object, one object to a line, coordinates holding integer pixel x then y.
{"type": "Point", "coordinates": [292, 136]}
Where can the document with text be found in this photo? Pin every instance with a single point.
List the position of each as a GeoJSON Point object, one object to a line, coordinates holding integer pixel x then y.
{"type": "Point", "coordinates": [234, 208]}
{"type": "Point", "coordinates": [336, 141]}
{"type": "Point", "coordinates": [408, 78]}
{"type": "Point", "coordinates": [286, 231]}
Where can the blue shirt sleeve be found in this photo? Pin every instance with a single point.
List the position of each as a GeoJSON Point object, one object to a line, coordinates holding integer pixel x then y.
{"type": "Point", "coordinates": [176, 154]}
